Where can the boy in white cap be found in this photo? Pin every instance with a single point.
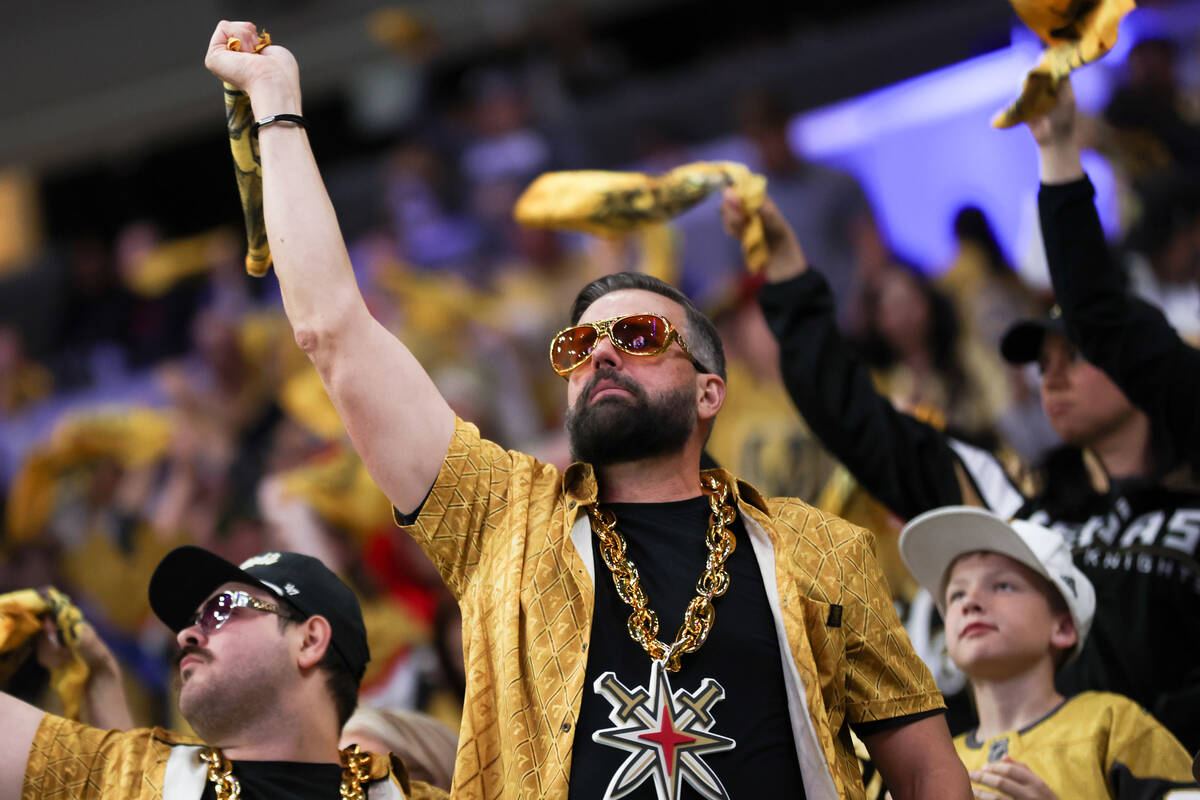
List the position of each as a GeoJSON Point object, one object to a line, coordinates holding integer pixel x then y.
{"type": "Point", "coordinates": [1016, 609]}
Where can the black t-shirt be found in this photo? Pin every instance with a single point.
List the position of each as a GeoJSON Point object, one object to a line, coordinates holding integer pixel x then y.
{"type": "Point", "coordinates": [281, 780]}
{"type": "Point", "coordinates": [666, 542]}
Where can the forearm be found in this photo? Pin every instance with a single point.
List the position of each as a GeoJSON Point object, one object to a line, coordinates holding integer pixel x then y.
{"type": "Point", "coordinates": [947, 782]}
{"type": "Point", "coordinates": [918, 761]}
{"type": "Point", "coordinates": [105, 704]}
{"type": "Point", "coordinates": [1060, 162]}
{"type": "Point", "coordinates": [319, 290]}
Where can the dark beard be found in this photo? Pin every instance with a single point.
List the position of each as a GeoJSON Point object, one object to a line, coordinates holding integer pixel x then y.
{"type": "Point", "coordinates": [615, 430]}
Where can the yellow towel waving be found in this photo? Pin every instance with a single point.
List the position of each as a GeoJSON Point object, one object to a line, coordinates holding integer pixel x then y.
{"type": "Point", "coordinates": [614, 203]}
{"type": "Point", "coordinates": [1076, 32]}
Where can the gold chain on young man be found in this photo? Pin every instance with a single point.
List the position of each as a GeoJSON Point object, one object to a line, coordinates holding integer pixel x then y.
{"type": "Point", "coordinates": [356, 769]}
{"type": "Point", "coordinates": [698, 619]}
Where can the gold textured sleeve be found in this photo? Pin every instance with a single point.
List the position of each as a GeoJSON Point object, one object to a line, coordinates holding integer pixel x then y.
{"type": "Point", "coordinates": [1075, 34]}
{"type": "Point", "coordinates": [72, 761]}
{"type": "Point", "coordinates": [470, 501]}
{"type": "Point", "coordinates": [613, 203]}
{"type": "Point", "coordinates": [885, 677]}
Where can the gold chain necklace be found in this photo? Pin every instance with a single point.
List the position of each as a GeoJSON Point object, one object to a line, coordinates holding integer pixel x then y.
{"type": "Point", "coordinates": [356, 769]}
{"type": "Point", "coordinates": [698, 618]}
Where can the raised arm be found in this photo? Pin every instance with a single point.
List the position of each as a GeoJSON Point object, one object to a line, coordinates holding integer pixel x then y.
{"type": "Point", "coordinates": [396, 418]}
{"type": "Point", "coordinates": [906, 464]}
{"type": "Point", "coordinates": [1121, 334]}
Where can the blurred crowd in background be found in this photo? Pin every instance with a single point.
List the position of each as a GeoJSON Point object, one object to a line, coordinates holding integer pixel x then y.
{"type": "Point", "coordinates": [151, 393]}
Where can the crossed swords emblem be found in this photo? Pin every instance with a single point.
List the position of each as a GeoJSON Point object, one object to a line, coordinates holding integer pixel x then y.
{"type": "Point", "coordinates": [665, 732]}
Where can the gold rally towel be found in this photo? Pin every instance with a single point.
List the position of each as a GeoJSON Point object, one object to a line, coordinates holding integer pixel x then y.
{"type": "Point", "coordinates": [247, 166]}
{"type": "Point", "coordinates": [614, 203]}
{"type": "Point", "coordinates": [1076, 32]}
{"type": "Point", "coordinates": [132, 437]}
{"type": "Point", "coordinates": [21, 614]}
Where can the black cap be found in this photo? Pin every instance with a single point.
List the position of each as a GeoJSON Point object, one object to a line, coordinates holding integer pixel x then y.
{"type": "Point", "coordinates": [187, 575]}
{"type": "Point", "coordinates": [1022, 342]}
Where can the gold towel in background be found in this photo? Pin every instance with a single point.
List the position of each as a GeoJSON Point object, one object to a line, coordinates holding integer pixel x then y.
{"type": "Point", "coordinates": [1076, 32]}
{"type": "Point", "coordinates": [133, 437]}
{"type": "Point", "coordinates": [21, 614]}
{"type": "Point", "coordinates": [614, 203]}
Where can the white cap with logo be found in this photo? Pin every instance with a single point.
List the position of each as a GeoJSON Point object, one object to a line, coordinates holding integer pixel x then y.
{"type": "Point", "coordinates": [932, 541]}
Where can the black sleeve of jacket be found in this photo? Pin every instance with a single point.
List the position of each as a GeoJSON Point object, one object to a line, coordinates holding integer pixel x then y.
{"type": "Point", "coordinates": [907, 465]}
{"type": "Point", "coordinates": [1121, 334]}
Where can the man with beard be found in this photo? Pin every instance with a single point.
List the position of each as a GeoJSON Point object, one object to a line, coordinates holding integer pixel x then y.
{"type": "Point", "coordinates": [789, 639]}
{"type": "Point", "coordinates": [271, 655]}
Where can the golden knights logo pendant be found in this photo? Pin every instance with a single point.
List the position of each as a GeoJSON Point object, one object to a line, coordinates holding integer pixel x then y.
{"type": "Point", "coordinates": [666, 733]}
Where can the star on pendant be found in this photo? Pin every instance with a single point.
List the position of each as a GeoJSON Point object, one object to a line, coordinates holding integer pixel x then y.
{"type": "Point", "coordinates": [665, 732]}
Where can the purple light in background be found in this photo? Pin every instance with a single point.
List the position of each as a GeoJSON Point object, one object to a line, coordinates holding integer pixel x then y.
{"type": "Point", "coordinates": [925, 147]}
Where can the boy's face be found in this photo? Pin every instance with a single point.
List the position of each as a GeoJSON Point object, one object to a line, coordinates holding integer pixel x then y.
{"type": "Point", "coordinates": [999, 621]}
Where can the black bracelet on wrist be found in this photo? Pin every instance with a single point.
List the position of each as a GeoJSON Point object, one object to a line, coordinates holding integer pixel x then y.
{"type": "Point", "coordinates": [271, 120]}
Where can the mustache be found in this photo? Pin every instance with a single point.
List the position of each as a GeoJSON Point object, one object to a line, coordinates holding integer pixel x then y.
{"type": "Point", "coordinates": [612, 376]}
{"type": "Point", "coordinates": [188, 650]}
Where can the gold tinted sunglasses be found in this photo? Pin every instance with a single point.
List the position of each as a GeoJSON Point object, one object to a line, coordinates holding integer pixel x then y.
{"type": "Point", "coordinates": [217, 611]}
{"type": "Point", "coordinates": [636, 334]}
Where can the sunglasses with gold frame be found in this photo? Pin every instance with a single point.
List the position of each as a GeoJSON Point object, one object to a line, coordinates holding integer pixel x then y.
{"type": "Point", "coordinates": [217, 610]}
{"type": "Point", "coordinates": [644, 334]}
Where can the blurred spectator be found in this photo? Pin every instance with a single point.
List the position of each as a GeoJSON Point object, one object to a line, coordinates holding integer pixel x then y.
{"type": "Point", "coordinates": [985, 289]}
{"type": "Point", "coordinates": [504, 153]}
{"type": "Point", "coordinates": [830, 209]}
{"type": "Point", "coordinates": [913, 338]}
{"type": "Point", "coordinates": [989, 297]}
{"type": "Point", "coordinates": [420, 201]}
{"type": "Point", "coordinates": [158, 324]}
{"type": "Point", "coordinates": [95, 310]}
{"type": "Point", "coordinates": [1164, 247]}
{"type": "Point", "coordinates": [22, 381]}
{"type": "Point", "coordinates": [1152, 130]}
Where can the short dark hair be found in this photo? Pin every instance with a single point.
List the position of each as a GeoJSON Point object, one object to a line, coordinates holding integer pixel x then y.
{"type": "Point", "coordinates": [702, 336]}
{"type": "Point", "coordinates": [341, 682]}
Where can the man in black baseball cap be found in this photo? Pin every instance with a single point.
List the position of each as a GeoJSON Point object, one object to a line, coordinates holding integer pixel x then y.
{"type": "Point", "coordinates": [189, 575]}
{"type": "Point", "coordinates": [271, 655]}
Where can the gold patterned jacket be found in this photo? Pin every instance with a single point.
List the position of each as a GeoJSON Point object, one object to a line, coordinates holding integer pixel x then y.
{"type": "Point", "coordinates": [73, 761]}
{"type": "Point", "coordinates": [509, 538]}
